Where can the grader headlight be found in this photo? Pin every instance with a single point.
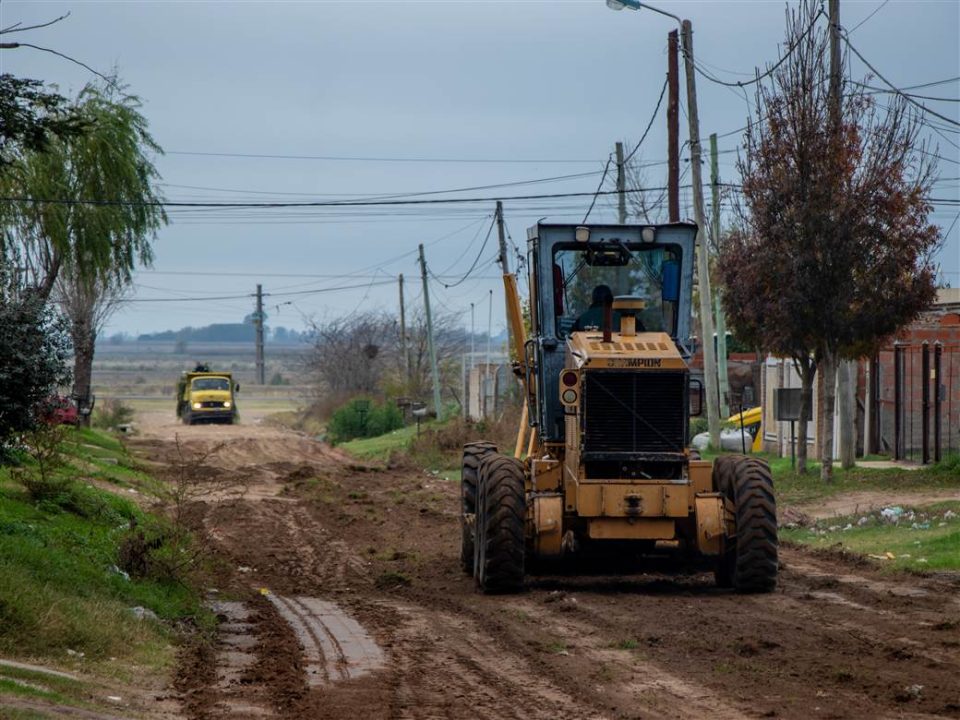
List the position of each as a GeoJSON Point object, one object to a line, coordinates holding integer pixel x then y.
{"type": "Point", "coordinates": [569, 387]}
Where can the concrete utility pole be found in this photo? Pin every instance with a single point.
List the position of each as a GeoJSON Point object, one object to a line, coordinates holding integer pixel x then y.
{"type": "Point", "coordinates": [486, 372]}
{"type": "Point", "coordinates": [703, 260]}
{"type": "Point", "coordinates": [434, 372]}
{"type": "Point", "coordinates": [473, 335]}
{"type": "Point", "coordinates": [846, 369]}
{"type": "Point", "coordinates": [621, 187]}
{"type": "Point", "coordinates": [673, 127]}
{"type": "Point", "coordinates": [722, 375]}
{"type": "Point", "coordinates": [403, 334]}
{"type": "Point", "coordinates": [258, 325]}
{"type": "Point", "coordinates": [703, 264]}
{"type": "Point", "coordinates": [836, 69]}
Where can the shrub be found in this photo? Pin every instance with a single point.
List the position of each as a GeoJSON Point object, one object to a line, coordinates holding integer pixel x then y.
{"type": "Point", "coordinates": [34, 348]}
{"type": "Point", "coordinates": [698, 425]}
{"type": "Point", "coordinates": [112, 413]}
{"type": "Point", "coordinates": [362, 418]}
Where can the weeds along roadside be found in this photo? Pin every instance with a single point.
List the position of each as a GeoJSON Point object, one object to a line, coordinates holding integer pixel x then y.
{"type": "Point", "coordinates": [95, 577]}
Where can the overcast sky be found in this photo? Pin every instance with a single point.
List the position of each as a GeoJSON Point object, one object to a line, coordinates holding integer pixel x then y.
{"type": "Point", "coordinates": [420, 96]}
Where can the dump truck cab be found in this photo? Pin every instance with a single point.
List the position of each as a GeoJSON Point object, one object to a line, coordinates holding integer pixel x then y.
{"type": "Point", "coordinates": [206, 396]}
{"type": "Point", "coordinates": [604, 463]}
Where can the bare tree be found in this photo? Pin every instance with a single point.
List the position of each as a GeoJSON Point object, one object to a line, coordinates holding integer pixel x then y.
{"type": "Point", "coordinates": [349, 355]}
{"type": "Point", "coordinates": [87, 304]}
{"type": "Point", "coordinates": [362, 354]}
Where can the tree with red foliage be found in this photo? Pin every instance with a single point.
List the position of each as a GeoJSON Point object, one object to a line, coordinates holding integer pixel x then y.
{"type": "Point", "coordinates": [833, 253]}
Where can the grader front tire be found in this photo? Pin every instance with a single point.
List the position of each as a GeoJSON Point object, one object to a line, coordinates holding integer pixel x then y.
{"type": "Point", "coordinates": [749, 564]}
{"type": "Point", "coordinates": [473, 455]}
{"type": "Point", "coordinates": [501, 515]}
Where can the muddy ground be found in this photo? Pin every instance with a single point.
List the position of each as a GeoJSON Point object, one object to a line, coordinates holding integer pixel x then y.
{"type": "Point", "coordinates": [342, 597]}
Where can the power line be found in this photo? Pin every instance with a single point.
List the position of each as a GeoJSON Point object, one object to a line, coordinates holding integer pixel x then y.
{"type": "Point", "coordinates": [599, 192]}
{"type": "Point", "coordinates": [472, 267]}
{"type": "Point", "coordinates": [770, 70]}
{"type": "Point", "coordinates": [309, 204]}
{"type": "Point", "coordinates": [876, 90]}
{"type": "Point", "coordinates": [387, 196]}
{"type": "Point", "coordinates": [464, 253]}
{"type": "Point", "coordinates": [653, 117]}
{"type": "Point", "coordinates": [893, 87]}
{"type": "Point", "coordinates": [301, 293]}
{"type": "Point", "coordinates": [875, 11]}
{"type": "Point", "coordinates": [358, 158]}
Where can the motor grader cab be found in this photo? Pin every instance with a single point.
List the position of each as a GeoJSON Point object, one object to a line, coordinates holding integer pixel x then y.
{"type": "Point", "coordinates": [607, 470]}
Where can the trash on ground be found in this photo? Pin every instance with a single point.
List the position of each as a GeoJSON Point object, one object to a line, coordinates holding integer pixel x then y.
{"type": "Point", "coordinates": [142, 613]}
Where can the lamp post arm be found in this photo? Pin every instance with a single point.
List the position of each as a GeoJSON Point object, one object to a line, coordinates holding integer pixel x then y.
{"type": "Point", "coordinates": [662, 12]}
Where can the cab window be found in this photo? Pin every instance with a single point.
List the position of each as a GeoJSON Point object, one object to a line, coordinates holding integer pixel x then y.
{"type": "Point", "coordinates": [585, 277]}
{"type": "Point", "coordinates": [216, 383]}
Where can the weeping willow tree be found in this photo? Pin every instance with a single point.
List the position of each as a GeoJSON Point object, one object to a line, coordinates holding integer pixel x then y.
{"type": "Point", "coordinates": [86, 204]}
{"type": "Point", "coordinates": [85, 213]}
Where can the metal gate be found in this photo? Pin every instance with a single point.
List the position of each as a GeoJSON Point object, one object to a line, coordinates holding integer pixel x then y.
{"type": "Point", "coordinates": [915, 393]}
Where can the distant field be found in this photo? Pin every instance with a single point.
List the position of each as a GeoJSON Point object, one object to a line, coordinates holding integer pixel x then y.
{"type": "Point", "coordinates": [143, 371]}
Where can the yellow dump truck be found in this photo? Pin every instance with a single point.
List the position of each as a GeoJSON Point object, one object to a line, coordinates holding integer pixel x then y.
{"type": "Point", "coordinates": [205, 396]}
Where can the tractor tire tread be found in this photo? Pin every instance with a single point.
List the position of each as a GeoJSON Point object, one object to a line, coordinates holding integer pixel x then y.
{"type": "Point", "coordinates": [503, 518]}
{"type": "Point", "coordinates": [473, 455]}
{"type": "Point", "coordinates": [757, 544]}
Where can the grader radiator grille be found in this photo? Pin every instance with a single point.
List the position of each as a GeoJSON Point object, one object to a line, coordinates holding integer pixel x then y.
{"type": "Point", "coordinates": [634, 412]}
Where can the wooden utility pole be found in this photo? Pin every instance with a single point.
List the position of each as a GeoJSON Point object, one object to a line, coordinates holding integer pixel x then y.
{"type": "Point", "coordinates": [504, 260]}
{"type": "Point", "coordinates": [621, 187]}
{"type": "Point", "coordinates": [721, 317]}
{"type": "Point", "coordinates": [403, 335]}
{"type": "Point", "coordinates": [673, 128]}
{"type": "Point", "coordinates": [258, 325]}
{"type": "Point", "coordinates": [703, 260]}
{"type": "Point", "coordinates": [434, 371]}
{"type": "Point", "coordinates": [502, 236]}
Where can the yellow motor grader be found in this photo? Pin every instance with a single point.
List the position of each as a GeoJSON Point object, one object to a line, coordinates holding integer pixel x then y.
{"type": "Point", "coordinates": [602, 465]}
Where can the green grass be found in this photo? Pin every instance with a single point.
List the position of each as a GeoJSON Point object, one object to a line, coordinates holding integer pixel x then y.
{"type": "Point", "coordinates": [796, 489]}
{"type": "Point", "coordinates": [380, 447]}
{"type": "Point", "coordinates": [933, 548]}
{"type": "Point", "coordinates": [929, 540]}
{"type": "Point", "coordinates": [59, 587]}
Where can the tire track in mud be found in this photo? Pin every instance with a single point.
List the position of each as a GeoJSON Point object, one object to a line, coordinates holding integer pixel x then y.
{"type": "Point", "coordinates": [444, 665]}
{"type": "Point", "coordinates": [781, 654]}
{"type": "Point", "coordinates": [336, 646]}
{"type": "Point", "coordinates": [235, 656]}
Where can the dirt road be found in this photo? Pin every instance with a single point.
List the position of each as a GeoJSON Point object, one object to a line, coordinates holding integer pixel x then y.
{"type": "Point", "coordinates": [344, 599]}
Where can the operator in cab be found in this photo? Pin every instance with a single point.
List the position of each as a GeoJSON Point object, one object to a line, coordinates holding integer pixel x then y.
{"type": "Point", "coordinates": [592, 317]}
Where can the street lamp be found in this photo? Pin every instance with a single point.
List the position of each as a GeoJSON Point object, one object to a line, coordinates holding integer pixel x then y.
{"type": "Point", "coordinates": [703, 263]}
{"type": "Point", "coordinates": [634, 5]}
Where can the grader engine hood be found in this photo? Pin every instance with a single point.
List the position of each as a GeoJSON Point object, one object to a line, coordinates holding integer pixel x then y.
{"type": "Point", "coordinates": [633, 395]}
{"type": "Point", "coordinates": [643, 351]}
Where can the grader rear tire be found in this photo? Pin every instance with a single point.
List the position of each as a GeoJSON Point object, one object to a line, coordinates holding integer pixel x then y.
{"type": "Point", "coordinates": [473, 454]}
{"type": "Point", "coordinates": [501, 515]}
{"type": "Point", "coordinates": [749, 564]}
